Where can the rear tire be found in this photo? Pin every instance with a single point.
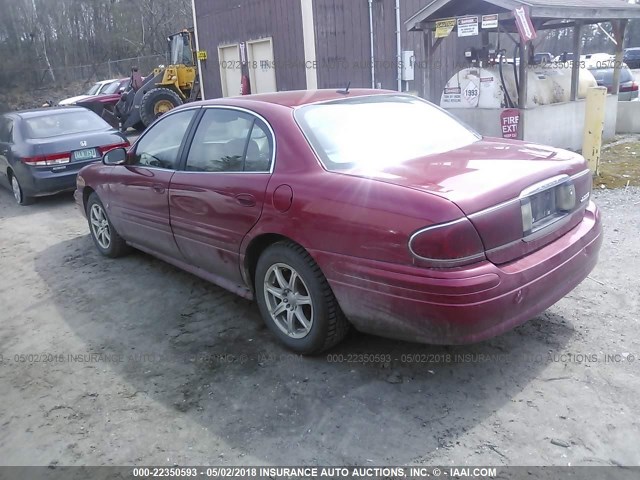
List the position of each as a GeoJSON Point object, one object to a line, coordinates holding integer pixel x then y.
{"type": "Point", "coordinates": [156, 102]}
{"type": "Point", "coordinates": [18, 192]}
{"type": "Point", "coordinates": [104, 236]}
{"type": "Point", "coordinates": [296, 301]}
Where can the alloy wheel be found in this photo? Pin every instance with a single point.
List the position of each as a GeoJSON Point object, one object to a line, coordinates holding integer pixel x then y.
{"type": "Point", "coordinates": [17, 191]}
{"type": "Point", "coordinates": [288, 301]}
{"type": "Point", "coordinates": [100, 226]}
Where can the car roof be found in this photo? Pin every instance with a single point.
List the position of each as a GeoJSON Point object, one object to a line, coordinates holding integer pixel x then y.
{"type": "Point", "coordinates": [298, 98]}
{"type": "Point", "coordinates": [46, 111]}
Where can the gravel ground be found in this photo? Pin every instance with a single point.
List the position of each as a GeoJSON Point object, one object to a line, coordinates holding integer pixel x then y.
{"type": "Point", "coordinates": [130, 361]}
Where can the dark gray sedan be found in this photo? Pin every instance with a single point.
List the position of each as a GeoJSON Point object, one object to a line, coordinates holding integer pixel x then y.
{"type": "Point", "coordinates": [41, 151]}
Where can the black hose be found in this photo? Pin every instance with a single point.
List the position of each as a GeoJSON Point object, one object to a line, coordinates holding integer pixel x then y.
{"type": "Point", "coordinates": [504, 85]}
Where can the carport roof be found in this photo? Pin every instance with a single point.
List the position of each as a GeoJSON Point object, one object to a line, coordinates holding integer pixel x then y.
{"type": "Point", "coordinates": [589, 11]}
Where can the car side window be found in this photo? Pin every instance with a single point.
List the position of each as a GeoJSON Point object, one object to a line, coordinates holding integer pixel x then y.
{"type": "Point", "coordinates": [230, 141]}
{"type": "Point", "coordinates": [160, 146]}
{"type": "Point", "coordinates": [6, 130]}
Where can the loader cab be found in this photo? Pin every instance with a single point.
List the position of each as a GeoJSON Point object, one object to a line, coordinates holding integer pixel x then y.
{"type": "Point", "coordinates": [181, 49]}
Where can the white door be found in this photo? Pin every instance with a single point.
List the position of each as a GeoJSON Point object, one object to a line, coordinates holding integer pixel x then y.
{"type": "Point", "coordinates": [262, 66]}
{"type": "Point", "coordinates": [230, 71]}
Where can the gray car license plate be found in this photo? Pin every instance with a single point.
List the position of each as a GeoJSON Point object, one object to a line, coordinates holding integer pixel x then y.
{"type": "Point", "coordinates": [86, 154]}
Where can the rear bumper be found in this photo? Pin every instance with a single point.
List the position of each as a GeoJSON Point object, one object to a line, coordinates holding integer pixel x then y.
{"type": "Point", "coordinates": [466, 305]}
{"type": "Point", "coordinates": [38, 182]}
{"type": "Point", "coordinates": [627, 96]}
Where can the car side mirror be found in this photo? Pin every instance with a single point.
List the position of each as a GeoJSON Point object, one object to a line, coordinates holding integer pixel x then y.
{"type": "Point", "coordinates": [117, 156]}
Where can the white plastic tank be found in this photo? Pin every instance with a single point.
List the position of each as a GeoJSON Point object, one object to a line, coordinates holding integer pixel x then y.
{"type": "Point", "coordinates": [482, 87]}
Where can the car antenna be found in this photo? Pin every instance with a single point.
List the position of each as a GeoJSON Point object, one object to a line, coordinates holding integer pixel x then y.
{"type": "Point", "coordinates": [346, 90]}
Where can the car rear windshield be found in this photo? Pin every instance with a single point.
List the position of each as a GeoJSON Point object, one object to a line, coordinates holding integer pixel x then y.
{"type": "Point", "coordinates": [604, 76]}
{"type": "Point", "coordinates": [63, 123]}
{"type": "Point", "coordinates": [632, 53]}
{"type": "Point", "coordinates": [379, 131]}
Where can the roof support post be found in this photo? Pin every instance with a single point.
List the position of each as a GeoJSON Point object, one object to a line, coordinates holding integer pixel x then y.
{"type": "Point", "coordinates": [575, 68]}
{"type": "Point", "coordinates": [430, 48]}
{"type": "Point", "coordinates": [523, 74]}
{"type": "Point", "coordinates": [524, 85]}
{"type": "Point", "coordinates": [426, 71]}
{"type": "Point", "coordinates": [619, 27]}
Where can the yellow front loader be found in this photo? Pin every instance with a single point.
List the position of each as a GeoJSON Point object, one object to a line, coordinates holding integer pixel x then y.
{"type": "Point", "coordinates": [166, 88]}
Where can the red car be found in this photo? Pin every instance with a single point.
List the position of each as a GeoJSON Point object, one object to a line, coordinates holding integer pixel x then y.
{"type": "Point", "coordinates": [367, 208]}
{"type": "Point", "coordinates": [104, 104]}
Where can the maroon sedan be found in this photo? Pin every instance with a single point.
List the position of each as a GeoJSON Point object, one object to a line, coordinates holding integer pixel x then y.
{"type": "Point", "coordinates": [104, 104]}
{"type": "Point", "coordinates": [369, 209]}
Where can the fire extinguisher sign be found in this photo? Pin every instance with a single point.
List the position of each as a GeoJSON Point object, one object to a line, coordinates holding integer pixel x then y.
{"type": "Point", "coordinates": [510, 122]}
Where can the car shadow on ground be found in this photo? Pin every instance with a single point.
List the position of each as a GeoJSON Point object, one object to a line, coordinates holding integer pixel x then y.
{"type": "Point", "coordinates": [9, 208]}
{"type": "Point", "coordinates": [206, 354]}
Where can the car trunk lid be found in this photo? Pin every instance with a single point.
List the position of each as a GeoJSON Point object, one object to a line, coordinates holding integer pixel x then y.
{"type": "Point", "coordinates": [487, 179]}
{"type": "Point", "coordinates": [77, 148]}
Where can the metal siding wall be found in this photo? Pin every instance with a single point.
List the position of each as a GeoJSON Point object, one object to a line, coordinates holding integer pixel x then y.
{"type": "Point", "coordinates": [386, 51]}
{"type": "Point", "coordinates": [342, 42]}
{"type": "Point", "coordinates": [221, 22]}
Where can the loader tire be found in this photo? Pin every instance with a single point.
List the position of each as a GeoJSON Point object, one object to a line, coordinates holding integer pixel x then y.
{"type": "Point", "coordinates": [157, 102]}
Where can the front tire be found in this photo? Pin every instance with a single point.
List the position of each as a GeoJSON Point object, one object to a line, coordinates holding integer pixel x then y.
{"type": "Point", "coordinates": [104, 236]}
{"type": "Point", "coordinates": [156, 102]}
{"type": "Point", "coordinates": [296, 301]}
{"type": "Point", "coordinates": [18, 192]}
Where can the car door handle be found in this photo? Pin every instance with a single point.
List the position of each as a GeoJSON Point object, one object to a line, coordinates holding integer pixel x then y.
{"type": "Point", "coordinates": [246, 200]}
{"type": "Point", "coordinates": [158, 188]}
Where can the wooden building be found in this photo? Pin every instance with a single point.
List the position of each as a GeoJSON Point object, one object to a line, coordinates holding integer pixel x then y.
{"type": "Point", "coordinates": [305, 44]}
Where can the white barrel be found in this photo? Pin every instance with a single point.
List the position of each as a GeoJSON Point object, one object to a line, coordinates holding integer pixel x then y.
{"type": "Point", "coordinates": [482, 87]}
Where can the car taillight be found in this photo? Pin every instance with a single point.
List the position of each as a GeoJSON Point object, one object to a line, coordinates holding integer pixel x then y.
{"type": "Point", "coordinates": [48, 160]}
{"type": "Point", "coordinates": [633, 87]}
{"type": "Point", "coordinates": [447, 245]}
{"type": "Point", "coordinates": [107, 148]}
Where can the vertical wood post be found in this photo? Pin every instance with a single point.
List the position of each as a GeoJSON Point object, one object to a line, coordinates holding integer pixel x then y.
{"type": "Point", "coordinates": [575, 69]}
{"type": "Point", "coordinates": [523, 93]}
{"type": "Point", "coordinates": [619, 27]}
{"type": "Point", "coordinates": [426, 71]}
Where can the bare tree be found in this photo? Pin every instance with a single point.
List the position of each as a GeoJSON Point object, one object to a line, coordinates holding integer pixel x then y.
{"type": "Point", "coordinates": [52, 37]}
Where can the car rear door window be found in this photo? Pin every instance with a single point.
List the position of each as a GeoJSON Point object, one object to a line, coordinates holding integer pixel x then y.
{"type": "Point", "coordinates": [6, 130]}
{"type": "Point", "coordinates": [230, 141]}
{"type": "Point", "coordinates": [160, 145]}
{"type": "Point", "coordinates": [604, 76]}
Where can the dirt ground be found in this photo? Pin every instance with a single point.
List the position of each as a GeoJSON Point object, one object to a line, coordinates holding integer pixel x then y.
{"type": "Point", "coordinates": [620, 163]}
{"type": "Point", "coordinates": [132, 362]}
{"type": "Point", "coordinates": [19, 99]}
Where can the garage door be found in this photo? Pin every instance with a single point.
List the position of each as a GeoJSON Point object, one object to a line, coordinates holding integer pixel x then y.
{"type": "Point", "coordinates": [230, 72]}
{"type": "Point", "coordinates": [263, 76]}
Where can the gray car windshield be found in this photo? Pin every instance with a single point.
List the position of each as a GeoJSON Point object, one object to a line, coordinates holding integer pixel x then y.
{"type": "Point", "coordinates": [63, 123]}
{"type": "Point", "coordinates": [380, 131]}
